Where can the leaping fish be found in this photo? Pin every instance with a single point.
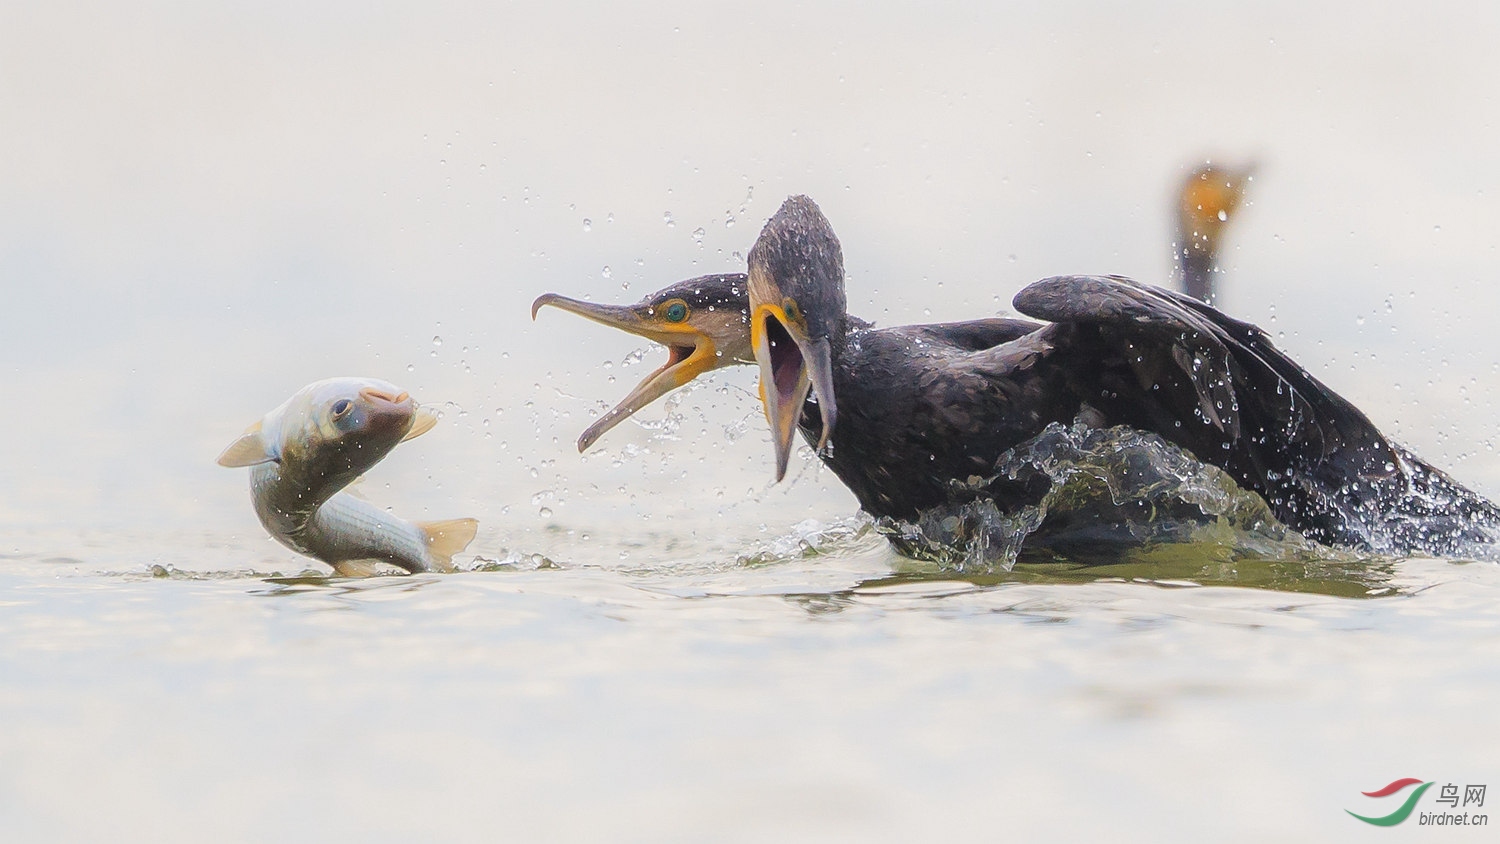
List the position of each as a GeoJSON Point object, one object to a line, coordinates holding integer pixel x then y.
{"type": "Point", "coordinates": [316, 443]}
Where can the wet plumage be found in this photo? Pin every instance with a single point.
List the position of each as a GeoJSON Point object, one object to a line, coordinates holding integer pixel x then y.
{"type": "Point", "coordinates": [923, 414]}
{"type": "Point", "coordinates": [303, 453]}
{"type": "Point", "coordinates": [703, 322]}
{"type": "Point", "coordinates": [915, 420]}
{"type": "Point", "coordinates": [713, 331]}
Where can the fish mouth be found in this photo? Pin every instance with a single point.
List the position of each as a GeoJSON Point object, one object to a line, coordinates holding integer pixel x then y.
{"type": "Point", "coordinates": [374, 394]}
{"type": "Point", "coordinates": [388, 412]}
{"type": "Point", "coordinates": [690, 353]}
{"type": "Point", "coordinates": [792, 366]}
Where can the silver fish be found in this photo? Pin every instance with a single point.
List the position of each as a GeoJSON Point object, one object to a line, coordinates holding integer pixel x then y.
{"type": "Point", "coordinates": [320, 440]}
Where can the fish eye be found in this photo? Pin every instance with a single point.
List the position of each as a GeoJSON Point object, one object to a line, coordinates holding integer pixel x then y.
{"type": "Point", "coordinates": [341, 407]}
{"type": "Point", "coordinates": [675, 311]}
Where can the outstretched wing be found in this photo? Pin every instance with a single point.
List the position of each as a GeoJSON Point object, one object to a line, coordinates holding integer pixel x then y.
{"type": "Point", "coordinates": [1162, 362]}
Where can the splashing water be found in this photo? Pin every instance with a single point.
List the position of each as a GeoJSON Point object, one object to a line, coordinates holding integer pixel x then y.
{"type": "Point", "coordinates": [1426, 512]}
{"type": "Point", "coordinates": [1108, 492]}
{"type": "Point", "coordinates": [810, 538]}
{"type": "Point", "coordinates": [513, 561]}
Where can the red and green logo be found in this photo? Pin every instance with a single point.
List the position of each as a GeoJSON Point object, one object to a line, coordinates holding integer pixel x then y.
{"type": "Point", "coordinates": [1402, 813]}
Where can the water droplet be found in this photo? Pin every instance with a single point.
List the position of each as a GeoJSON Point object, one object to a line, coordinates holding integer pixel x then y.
{"type": "Point", "coordinates": [411, 367]}
{"type": "Point", "coordinates": [606, 272]}
{"type": "Point", "coordinates": [666, 217]}
{"type": "Point", "coordinates": [588, 225]}
{"type": "Point", "coordinates": [545, 512]}
{"type": "Point", "coordinates": [698, 234]}
{"type": "Point", "coordinates": [1223, 216]}
{"type": "Point", "coordinates": [436, 340]}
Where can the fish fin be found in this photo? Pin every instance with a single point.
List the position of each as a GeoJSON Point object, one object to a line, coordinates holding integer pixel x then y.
{"type": "Point", "coordinates": [354, 488]}
{"type": "Point", "coordinates": [421, 422]}
{"type": "Point", "coordinates": [446, 538]}
{"type": "Point", "coordinates": [248, 450]}
{"type": "Point", "coordinates": [358, 568]}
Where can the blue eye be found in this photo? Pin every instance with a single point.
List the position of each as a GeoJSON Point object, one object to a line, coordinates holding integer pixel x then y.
{"type": "Point", "coordinates": [341, 407]}
{"type": "Point", "coordinates": [676, 312]}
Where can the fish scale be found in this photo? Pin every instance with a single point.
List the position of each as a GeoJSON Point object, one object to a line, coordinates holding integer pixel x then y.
{"type": "Point", "coordinates": [346, 529]}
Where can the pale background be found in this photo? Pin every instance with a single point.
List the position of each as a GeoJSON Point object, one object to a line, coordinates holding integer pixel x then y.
{"type": "Point", "coordinates": [204, 206]}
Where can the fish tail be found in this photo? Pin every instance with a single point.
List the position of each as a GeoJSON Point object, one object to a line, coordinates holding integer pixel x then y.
{"type": "Point", "coordinates": [446, 538]}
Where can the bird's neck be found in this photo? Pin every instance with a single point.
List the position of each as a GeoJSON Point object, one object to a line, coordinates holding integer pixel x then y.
{"type": "Point", "coordinates": [838, 333]}
{"type": "Point", "coordinates": [1198, 267]}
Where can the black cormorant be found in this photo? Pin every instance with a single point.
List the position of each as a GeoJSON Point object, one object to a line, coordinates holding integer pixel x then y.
{"type": "Point", "coordinates": [1208, 197]}
{"type": "Point", "coordinates": [909, 424]}
{"type": "Point", "coordinates": [705, 324]}
{"type": "Point", "coordinates": [921, 414]}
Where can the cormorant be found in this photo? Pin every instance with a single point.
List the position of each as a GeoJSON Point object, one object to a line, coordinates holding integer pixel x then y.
{"type": "Point", "coordinates": [910, 424]}
{"type": "Point", "coordinates": [918, 416]}
{"type": "Point", "coordinates": [1208, 197]}
{"type": "Point", "coordinates": [705, 324]}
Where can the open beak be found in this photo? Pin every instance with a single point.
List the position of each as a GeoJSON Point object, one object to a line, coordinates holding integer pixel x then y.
{"type": "Point", "coordinates": [690, 353]}
{"type": "Point", "coordinates": [792, 364]}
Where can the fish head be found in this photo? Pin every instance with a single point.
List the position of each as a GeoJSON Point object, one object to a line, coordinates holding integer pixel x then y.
{"type": "Point", "coordinates": [331, 431]}
{"type": "Point", "coordinates": [346, 425]}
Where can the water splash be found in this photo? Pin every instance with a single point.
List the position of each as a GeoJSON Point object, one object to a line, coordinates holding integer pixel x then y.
{"type": "Point", "coordinates": [169, 571]}
{"type": "Point", "coordinates": [1108, 492]}
{"type": "Point", "coordinates": [1423, 511]}
{"type": "Point", "coordinates": [512, 561]}
{"type": "Point", "coordinates": [810, 538]}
